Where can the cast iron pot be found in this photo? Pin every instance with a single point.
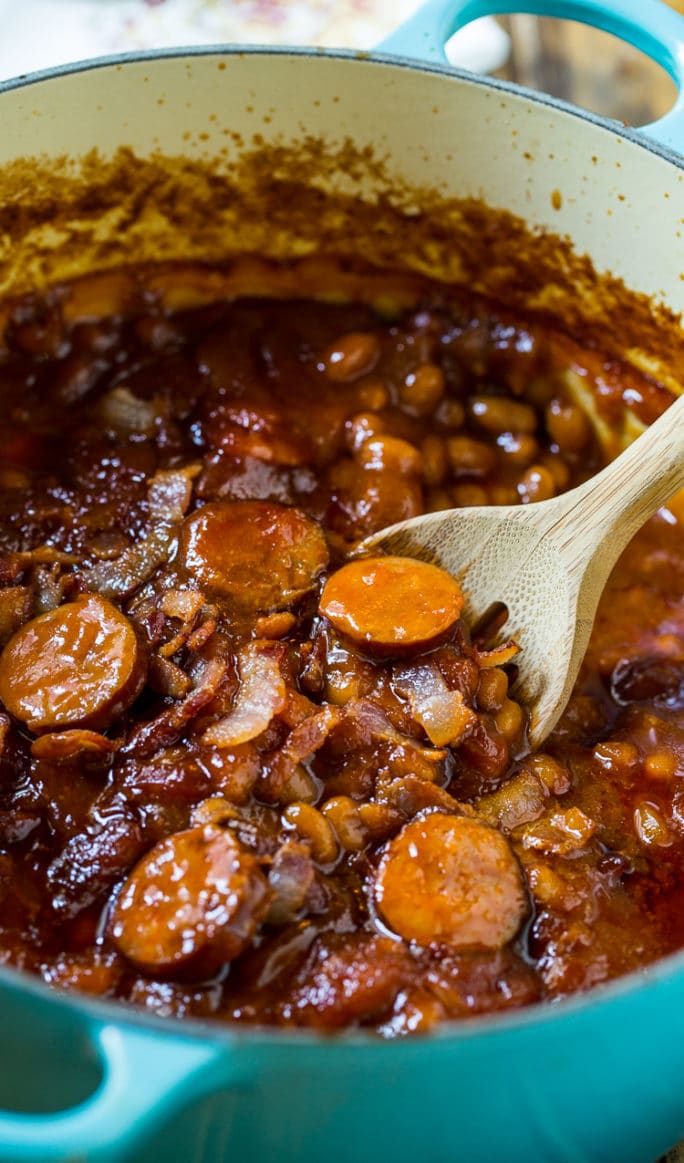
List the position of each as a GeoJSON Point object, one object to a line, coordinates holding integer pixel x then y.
{"type": "Point", "coordinates": [594, 1079]}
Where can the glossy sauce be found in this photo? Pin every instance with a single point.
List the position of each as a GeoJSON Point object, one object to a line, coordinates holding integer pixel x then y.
{"type": "Point", "coordinates": [284, 789]}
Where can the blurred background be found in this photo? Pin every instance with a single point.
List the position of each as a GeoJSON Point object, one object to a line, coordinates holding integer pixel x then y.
{"type": "Point", "coordinates": [562, 58]}
{"type": "Point", "coordinates": [559, 57]}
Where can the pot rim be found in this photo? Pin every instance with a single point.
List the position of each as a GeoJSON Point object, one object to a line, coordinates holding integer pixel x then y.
{"type": "Point", "coordinates": [372, 57]}
{"type": "Point", "coordinates": [110, 1010]}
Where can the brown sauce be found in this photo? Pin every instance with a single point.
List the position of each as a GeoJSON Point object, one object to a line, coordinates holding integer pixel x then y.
{"type": "Point", "coordinates": [240, 778]}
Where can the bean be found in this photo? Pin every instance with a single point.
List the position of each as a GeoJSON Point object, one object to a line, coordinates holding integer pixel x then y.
{"type": "Point", "coordinates": [360, 428]}
{"type": "Point", "coordinates": [650, 826]}
{"type": "Point", "coordinates": [351, 356]}
{"type": "Point", "coordinates": [660, 765]}
{"type": "Point", "coordinates": [452, 881]}
{"type": "Point", "coordinates": [503, 495]}
{"type": "Point", "coordinates": [510, 720]}
{"type": "Point", "coordinates": [300, 787]}
{"type": "Point", "coordinates": [435, 460]}
{"type": "Point", "coordinates": [536, 484]}
{"type": "Point", "coordinates": [450, 414]}
{"type": "Point", "coordinates": [311, 825]}
{"type": "Point", "coordinates": [615, 755]}
{"type": "Point", "coordinates": [469, 496]}
{"type": "Point", "coordinates": [73, 746]}
{"type": "Point", "coordinates": [275, 626]}
{"type": "Point", "coordinates": [344, 676]}
{"type": "Point", "coordinates": [380, 820]}
{"type": "Point", "coordinates": [343, 814]}
{"type": "Point", "coordinates": [539, 390]}
{"type": "Point", "coordinates": [392, 604]}
{"type": "Point", "coordinates": [423, 389]}
{"type": "Point", "coordinates": [554, 775]}
{"type": "Point", "coordinates": [373, 396]}
{"type": "Point", "coordinates": [559, 470]}
{"type": "Point", "coordinates": [214, 810]}
{"type": "Point", "coordinates": [391, 453]}
{"type": "Point", "coordinates": [470, 457]}
{"type": "Point", "coordinates": [492, 689]}
{"type": "Point", "coordinates": [80, 665]}
{"type": "Point", "coordinates": [439, 499]}
{"type": "Point", "coordinates": [497, 414]}
{"type": "Point", "coordinates": [519, 449]}
{"type": "Point", "coordinates": [567, 426]}
{"type": "Point", "coordinates": [365, 502]}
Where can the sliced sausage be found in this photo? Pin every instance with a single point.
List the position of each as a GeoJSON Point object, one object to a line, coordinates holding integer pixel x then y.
{"type": "Point", "coordinates": [261, 555]}
{"type": "Point", "coordinates": [191, 905]}
{"type": "Point", "coordinates": [80, 665]}
{"type": "Point", "coordinates": [453, 881]}
{"type": "Point", "coordinates": [392, 605]}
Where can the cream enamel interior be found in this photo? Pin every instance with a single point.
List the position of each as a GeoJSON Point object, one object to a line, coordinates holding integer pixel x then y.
{"type": "Point", "coordinates": [619, 203]}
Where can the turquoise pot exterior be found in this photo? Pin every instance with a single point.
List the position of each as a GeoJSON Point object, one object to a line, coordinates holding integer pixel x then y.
{"type": "Point", "coordinates": [649, 25]}
{"type": "Point", "coordinates": [594, 1080]}
{"type": "Point", "coordinates": [598, 1079]}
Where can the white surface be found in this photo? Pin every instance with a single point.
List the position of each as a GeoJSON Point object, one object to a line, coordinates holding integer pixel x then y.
{"type": "Point", "coordinates": [37, 34]}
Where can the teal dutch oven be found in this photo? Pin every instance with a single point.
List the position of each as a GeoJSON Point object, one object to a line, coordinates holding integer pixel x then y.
{"type": "Point", "coordinates": [593, 1079]}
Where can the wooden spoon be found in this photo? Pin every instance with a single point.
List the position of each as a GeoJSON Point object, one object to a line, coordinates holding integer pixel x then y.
{"type": "Point", "coordinates": [549, 562]}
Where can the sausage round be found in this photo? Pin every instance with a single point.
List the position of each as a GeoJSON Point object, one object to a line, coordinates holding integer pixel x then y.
{"type": "Point", "coordinates": [80, 665]}
{"type": "Point", "coordinates": [191, 905]}
{"type": "Point", "coordinates": [392, 604]}
{"type": "Point", "coordinates": [452, 881]}
{"type": "Point", "coordinates": [261, 555]}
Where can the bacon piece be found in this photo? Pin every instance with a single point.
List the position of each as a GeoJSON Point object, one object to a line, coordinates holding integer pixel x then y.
{"type": "Point", "coordinates": [290, 877]}
{"type": "Point", "coordinates": [497, 656]}
{"type": "Point", "coordinates": [169, 496]}
{"type": "Point", "coordinates": [171, 723]}
{"type": "Point", "coordinates": [166, 678]}
{"type": "Point", "coordinates": [302, 742]}
{"type": "Point", "coordinates": [77, 744]}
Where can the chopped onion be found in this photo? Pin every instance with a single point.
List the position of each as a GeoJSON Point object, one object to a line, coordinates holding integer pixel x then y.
{"type": "Point", "coordinates": [128, 414]}
{"type": "Point", "coordinates": [441, 712]}
{"type": "Point", "coordinates": [302, 742]}
{"type": "Point", "coordinates": [170, 493]}
{"type": "Point", "coordinates": [262, 694]}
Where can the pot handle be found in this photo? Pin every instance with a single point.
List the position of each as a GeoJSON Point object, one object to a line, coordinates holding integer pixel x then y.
{"type": "Point", "coordinates": [146, 1076]}
{"type": "Point", "coordinates": [651, 27]}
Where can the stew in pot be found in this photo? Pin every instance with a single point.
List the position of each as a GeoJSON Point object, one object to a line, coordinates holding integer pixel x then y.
{"type": "Point", "coordinates": [247, 772]}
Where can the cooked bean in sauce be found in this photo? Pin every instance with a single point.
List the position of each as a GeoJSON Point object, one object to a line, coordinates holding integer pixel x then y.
{"type": "Point", "coordinates": [247, 773]}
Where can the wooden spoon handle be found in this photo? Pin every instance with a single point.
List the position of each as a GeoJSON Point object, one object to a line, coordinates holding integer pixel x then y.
{"type": "Point", "coordinates": [603, 515]}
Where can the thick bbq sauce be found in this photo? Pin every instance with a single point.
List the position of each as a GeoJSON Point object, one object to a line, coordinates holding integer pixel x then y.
{"type": "Point", "coordinates": [273, 778]}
